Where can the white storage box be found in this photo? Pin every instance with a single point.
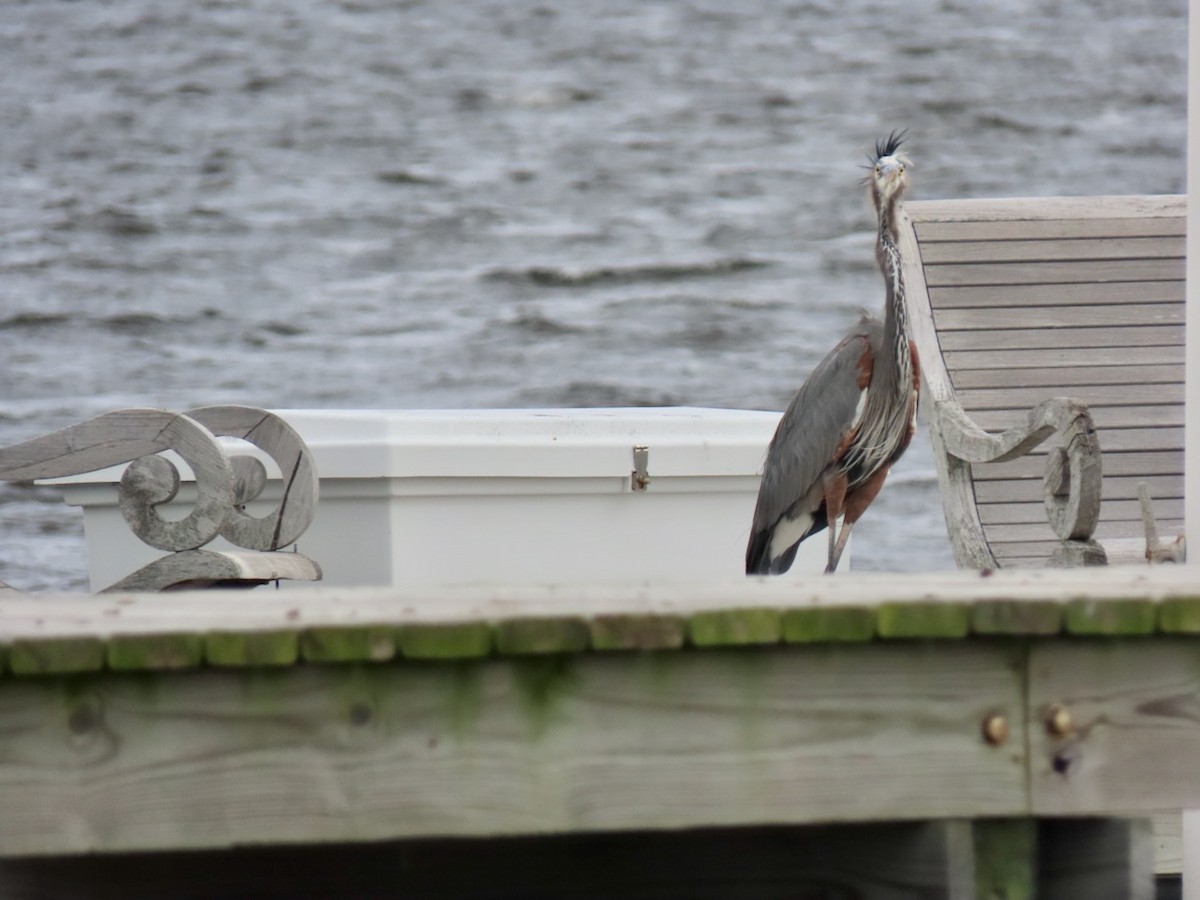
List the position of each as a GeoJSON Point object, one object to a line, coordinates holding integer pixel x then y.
{"type": "Point", "coordinates": [504, 496]}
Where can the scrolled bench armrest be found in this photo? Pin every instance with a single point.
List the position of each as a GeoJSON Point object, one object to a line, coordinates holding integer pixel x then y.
{"type": "Point", "coordinates": [224, 484]}
{"type": "Point", "coordinates": [1073, 474]}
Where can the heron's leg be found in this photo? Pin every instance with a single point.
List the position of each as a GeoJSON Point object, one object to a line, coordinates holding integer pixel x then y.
{"type": "Point", "coordinates": [831, 562]}
{"type": "Point", "coordinates": [834, 484]}
{"type": "Point", "coordinates": [835, 552]}
{"type": "Point", "coordinates": [855, 505]}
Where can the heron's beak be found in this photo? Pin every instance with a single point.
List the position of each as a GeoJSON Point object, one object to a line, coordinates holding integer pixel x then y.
{"type": "Point", "coordinates": [890, 169]}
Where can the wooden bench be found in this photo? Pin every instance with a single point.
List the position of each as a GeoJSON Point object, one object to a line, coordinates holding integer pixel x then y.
{"type": "Point", "coordinates": [1015, 302]}
{"type": "Point", "coordinates": [224, 484]}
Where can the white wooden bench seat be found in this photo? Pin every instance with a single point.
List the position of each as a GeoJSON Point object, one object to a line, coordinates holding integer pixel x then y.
{"type": "Point", "coordinates": [1017, 301]}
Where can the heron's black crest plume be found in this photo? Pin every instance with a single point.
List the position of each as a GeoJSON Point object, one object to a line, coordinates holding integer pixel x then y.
{"type": "Point", "coordinates": [891, 145]}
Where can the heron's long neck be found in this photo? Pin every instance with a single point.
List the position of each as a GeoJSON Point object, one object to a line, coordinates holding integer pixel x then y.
{"type": "Point", "coordinates": [895, 348]}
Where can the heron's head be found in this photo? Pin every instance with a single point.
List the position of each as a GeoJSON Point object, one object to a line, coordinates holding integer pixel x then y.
{"type": "Point", "coordinates": [888, 171]}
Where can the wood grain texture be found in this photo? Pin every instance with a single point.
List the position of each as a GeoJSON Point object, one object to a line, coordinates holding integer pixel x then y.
{"type": "Point", "coordinates": [1064, 357]}
{"type": "Point", "coordinates": [954, 475]}
{"type": "Point", "coordinates": [1065, 337]}
{"type": "Point", "coordinates": [1039, 296]}
{"type": "Point", "coordinates": [1036, 248]}
{"type": "Point", "coordinates": [1057, 317]}
{"type": "Point", "coordinates": [995, 229]}
{"type": "Point", "coordinates": [1134, 741]}
{"type": "Point", "coordinates": [345, 624]}
{"type": "Point", "coordinates": [1167, 509]}
{"type": "Point", "coordinates": [1065, 272]}
{"type": "Point", "coordinates": [214, 568]}
{"type": "Point", "coordinates": [1115, 487]}
{"type": "Point", "coordinates": [136, 436]}
{"type": "Point", "coordinates": [1014, 301]}
{"type": "Point", "coordinates": [522, 746]}
{"type": "Point", "coordinates": [301, 486]}
{"type": "Point", "coordinates": [1068, 376]}
{"type": "Point", "coordinates": [1072, 480]}
{"type": "Point", "coordinates": [1149, 462]}
{"type": "Point", "coordinates": [1170, 207]}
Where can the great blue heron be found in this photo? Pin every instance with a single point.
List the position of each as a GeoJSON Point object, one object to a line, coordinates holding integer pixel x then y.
{"type": "Point", "coordinates": [852, 418]}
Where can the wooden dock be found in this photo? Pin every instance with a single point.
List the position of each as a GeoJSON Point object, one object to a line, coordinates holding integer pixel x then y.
{"type": "Point", "coordinates": [903, 736]}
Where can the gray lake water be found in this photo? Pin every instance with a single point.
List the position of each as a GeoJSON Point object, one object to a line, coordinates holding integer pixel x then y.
{"type": "Point", "coordinates": [513, 203]}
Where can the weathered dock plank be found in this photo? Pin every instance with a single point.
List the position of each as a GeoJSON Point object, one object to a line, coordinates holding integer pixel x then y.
{"type": "Point", "coordinates": [537, 744]}
{"type": "Point", "coordinates": [359, 715]}
{"type": "Point", "coordinates": [326, 616]}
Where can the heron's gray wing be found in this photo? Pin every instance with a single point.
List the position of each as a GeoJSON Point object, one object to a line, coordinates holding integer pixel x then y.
{"type": "Point", "coordinates": [816, 421]}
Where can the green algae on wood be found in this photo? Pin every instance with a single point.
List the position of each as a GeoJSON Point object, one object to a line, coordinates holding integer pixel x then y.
{"type": "Point", "coordinates": [831, 624]}
{"type": "Point", "coordinates": [56, 656]}
{"type": "Point", "coordinates": [543, 684]}
{"type": "Point", "coordinates": [637, 631]}
{"type": "Point", "coordinates": [1179, 615]}
{"type": "Point", "coordinates": [465, 640]}
{"type": "Point", "coordinates": [154, 651]}
{"type": "Point", "coordinates": [1005, 856]}
{"type": "Point", "coordinates": [251, 648]}
{"type": "Point", "coordinates": [735, 627]}
{"type": "Point", "coordinates": [546, 634]}
{"type": "Point", "coordinates": [364, 643]}
{"type": "Point", "coordinates": [1037, 617]}
{"type": "Point", "coordinates": [924, 619]}
{"type": "Point", "coordinates": [1117, 617]}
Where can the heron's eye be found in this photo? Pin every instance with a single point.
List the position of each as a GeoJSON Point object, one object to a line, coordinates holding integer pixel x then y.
{"type": "Point", "coordinates": [877, 170]}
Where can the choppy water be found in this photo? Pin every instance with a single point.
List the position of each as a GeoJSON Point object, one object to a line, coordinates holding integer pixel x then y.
{"type": "Point", "coordinates": [512, 203]}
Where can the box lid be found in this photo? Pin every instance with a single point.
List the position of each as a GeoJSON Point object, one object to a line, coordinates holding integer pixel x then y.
{"type": "Point", "coordinates": [533, 443]}
{"type": "Point", "coordinates": [521, 443]}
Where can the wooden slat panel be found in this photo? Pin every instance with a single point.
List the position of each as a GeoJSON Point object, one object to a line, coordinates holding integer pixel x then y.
{"type": "Point", "coordinates": [1105, 417]}
{"type": "Point", "coordinates": [975, 358]}
{"type": "Point", "coordinates": [1079, 376]}
{"type": "Point", "coordinates": [1096, 285]}
{"type": "Point", "coordinates": [1108, 315]}
{"type": "Point", "coordinates": [1042, 295]}
{"type": "Point", "coordinates": [1116, 488]}
{"type": "Point", "coordinates": [1147, 462]}
{"type": "Point", "coordinates": [1034, 209]}
{"type": "Point", "coordinates": [1164, 226]}
{"type": "Point", "coordinates": [1120, 553]}
{"type": "Point", "coordinates": [1110, 510]}
{"type": "Point", "coordinates": [1033, 533]}
{"type": "Point", "coordinates": [1055, 272]}
{"type": "Point", "coordinates": [1103, 249]}
{"type": "Point", "coordinates": [1058, 338]}
{"type": "Point", "coordinates": [1120, 440]}
{"type": "Point", "coordinates": [1032, 554]}
{"type": "Point", "coordinates": [1094, 395]}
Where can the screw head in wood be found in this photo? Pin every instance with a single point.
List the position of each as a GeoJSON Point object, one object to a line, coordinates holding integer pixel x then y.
{"type": "Point", "coordinates": [1058, 720]}
{"type": "Point", "coordinates": [995, 730]}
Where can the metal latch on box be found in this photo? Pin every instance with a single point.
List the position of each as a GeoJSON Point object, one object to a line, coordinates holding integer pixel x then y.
{"type": "Point", "coordinates": [639, 479]}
